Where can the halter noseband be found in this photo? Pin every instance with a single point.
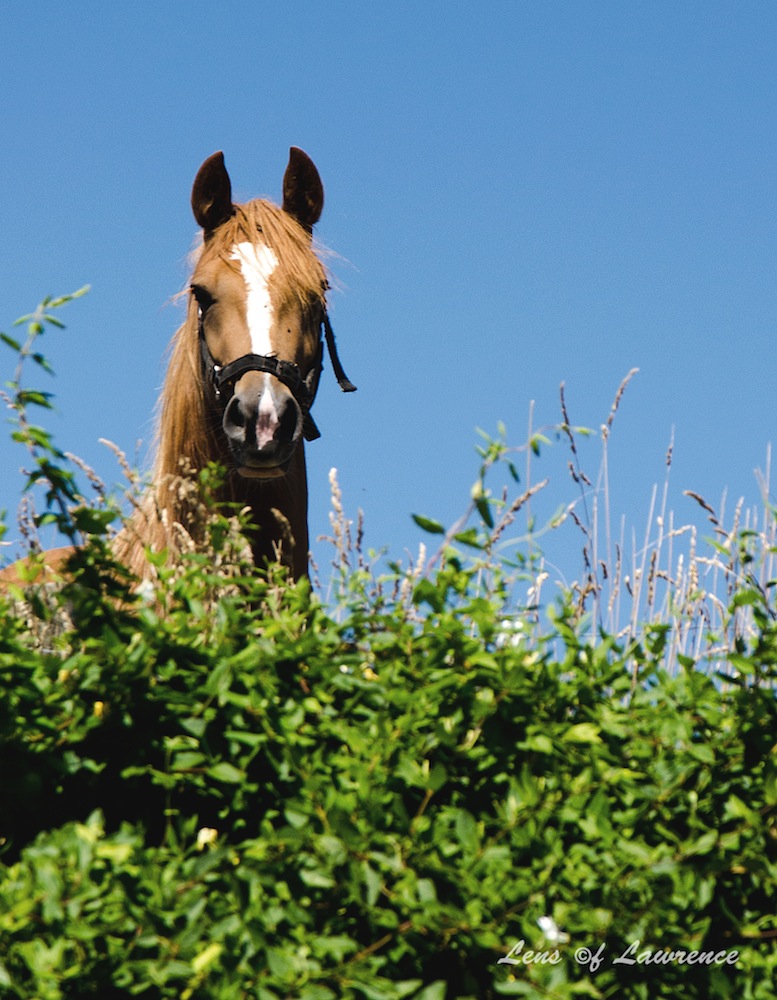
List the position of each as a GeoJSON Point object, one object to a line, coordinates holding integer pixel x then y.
{"type": "Point", "coordinates": [223, 378]}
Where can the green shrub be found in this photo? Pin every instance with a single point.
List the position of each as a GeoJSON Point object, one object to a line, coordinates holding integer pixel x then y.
{"type": "Point", "coordinates": [222, 787]}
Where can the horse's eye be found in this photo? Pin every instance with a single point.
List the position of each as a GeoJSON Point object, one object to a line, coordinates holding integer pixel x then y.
{"type": "Point", "coordinates": [202, 296]}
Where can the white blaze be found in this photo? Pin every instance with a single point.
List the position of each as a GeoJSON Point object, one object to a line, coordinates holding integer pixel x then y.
{"type": "Point", "coordinates": [257, 263]}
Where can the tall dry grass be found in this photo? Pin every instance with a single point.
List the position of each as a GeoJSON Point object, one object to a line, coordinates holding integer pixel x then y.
{"type": "Point", "coordinates": [701, 587]}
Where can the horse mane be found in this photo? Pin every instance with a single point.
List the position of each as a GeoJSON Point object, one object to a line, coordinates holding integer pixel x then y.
{"type": "Point", "coordinates": [187, 432]}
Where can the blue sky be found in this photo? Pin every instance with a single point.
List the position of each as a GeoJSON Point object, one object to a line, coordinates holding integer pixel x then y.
{"type": "Point", "coordinates": [520, 194]}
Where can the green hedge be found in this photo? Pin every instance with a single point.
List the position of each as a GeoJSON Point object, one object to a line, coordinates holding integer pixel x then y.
{"type": "Point", "coordinates": [246, 798]}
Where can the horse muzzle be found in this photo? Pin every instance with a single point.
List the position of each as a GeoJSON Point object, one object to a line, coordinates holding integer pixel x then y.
{"type": "Point", "coordinates": [263, 429]}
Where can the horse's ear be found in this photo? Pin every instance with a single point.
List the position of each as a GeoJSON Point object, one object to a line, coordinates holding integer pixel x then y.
{"type": "Point", "coordinates": [212, 193]}
{"type": "Point", "coordinates": [303, 192]}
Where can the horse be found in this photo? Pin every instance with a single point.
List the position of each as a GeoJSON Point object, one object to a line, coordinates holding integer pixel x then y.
{"type": "Point", "coordinates": [243, 371]}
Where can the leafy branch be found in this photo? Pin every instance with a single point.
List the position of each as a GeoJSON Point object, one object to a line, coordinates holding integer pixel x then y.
{"type": "Point", "coordinates": [49, 461]}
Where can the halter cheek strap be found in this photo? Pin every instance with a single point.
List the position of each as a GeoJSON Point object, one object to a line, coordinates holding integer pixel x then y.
{"type": "Point", "coordinates": [223, 378]}
{"type": "Point", "coordinates": [342, 379]}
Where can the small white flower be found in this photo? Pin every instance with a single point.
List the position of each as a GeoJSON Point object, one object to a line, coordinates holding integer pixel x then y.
{"type": "Point", "coordinates": [344, 668]}
{"type": "Point", "coordinates": [533, 593]}
{"type": "Point", "coordinates": [207, 835]}
{"type": "Point", "coordinates": [146, 591]}
{"type": "Point", "coordinates": [511, 632]}
{"type": "Point", "coordinates": [550, 929]}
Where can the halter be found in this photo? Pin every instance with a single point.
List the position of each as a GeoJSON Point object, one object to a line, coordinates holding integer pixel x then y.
{"type": "Point", "coordinates": [223, 378]}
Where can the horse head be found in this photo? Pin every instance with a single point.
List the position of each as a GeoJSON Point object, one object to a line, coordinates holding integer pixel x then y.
{"type": "Point", "coordinates": [258, 290]}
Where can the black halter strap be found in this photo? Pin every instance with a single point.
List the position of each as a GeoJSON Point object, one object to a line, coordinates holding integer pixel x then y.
{"type": "Point", "coordinates": [342, 379]}
{"type": "Point", "coordinates": [223, 378]}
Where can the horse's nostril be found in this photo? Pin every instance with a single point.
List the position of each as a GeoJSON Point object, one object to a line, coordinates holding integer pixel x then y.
{"type": "Point", "coordinates": [290, 420]}
{"type": "Point", "coordinates": [235, 418]}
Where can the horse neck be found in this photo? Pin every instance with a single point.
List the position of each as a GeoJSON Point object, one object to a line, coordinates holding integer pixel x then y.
{"type": "Point", "coordinates": [279, 514]}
